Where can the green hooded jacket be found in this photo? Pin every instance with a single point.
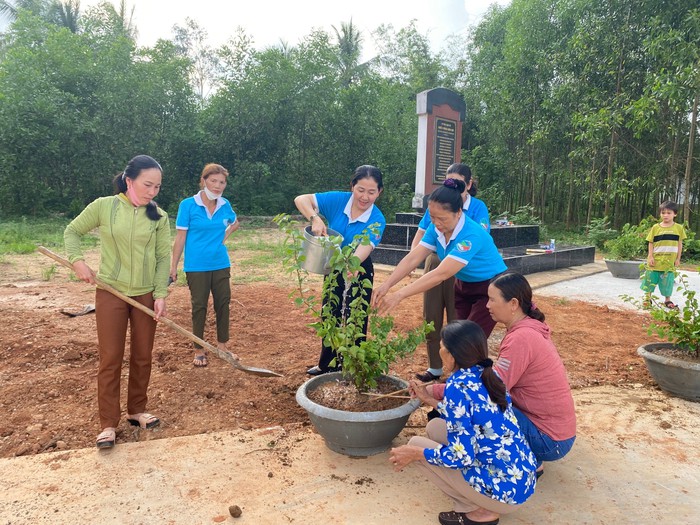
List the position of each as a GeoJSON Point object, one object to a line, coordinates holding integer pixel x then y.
{"type": "Point", "coordinates": [134, 250]}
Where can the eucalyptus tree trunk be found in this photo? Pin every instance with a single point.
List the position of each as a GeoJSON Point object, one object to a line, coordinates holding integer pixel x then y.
{"type": "Point", "coordinates": [689, 157]}
{"type": "Point", "coordinates": [570, 198]}
{"type": "Point", "coordinates": [591, 190]}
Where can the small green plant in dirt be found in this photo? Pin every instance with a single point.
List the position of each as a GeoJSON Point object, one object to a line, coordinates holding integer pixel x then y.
{"type": "Point", "coordinates": [680, 326]}
{"type": "Point", "coordinates": [631, 244]}
{"type": "Point", "coordinates": [48, 273]}
{"type": "Point", "coordinates": [364, 359]}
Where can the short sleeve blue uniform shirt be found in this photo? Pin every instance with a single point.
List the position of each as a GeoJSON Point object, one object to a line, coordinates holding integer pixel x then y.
{"type": "Point", "coordinates": [335, 207]}
{"type": "Point", "coordinates": [204, 246]}
{"type": "Point", "coordinates": [470, 245]}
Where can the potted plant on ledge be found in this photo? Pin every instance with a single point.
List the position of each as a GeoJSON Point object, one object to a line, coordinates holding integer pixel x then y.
{"type": "Point", "coordinates": [369, 428]}
{"type": "Point", "coordinates": [627, 252]}
{"type": "Point", "coordinates": [675, 366]}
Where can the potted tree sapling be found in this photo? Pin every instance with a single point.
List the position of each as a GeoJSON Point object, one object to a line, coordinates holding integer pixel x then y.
{"type": "Point", "coordinates": [367, 426]}
{"type": "Point", "coordinates": [627, 252]}
{"type": "Point", "coordinates": [675, 365]}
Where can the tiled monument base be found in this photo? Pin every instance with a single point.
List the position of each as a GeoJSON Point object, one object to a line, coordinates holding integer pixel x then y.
{"type": "Point", "coordinates": [512, 242]}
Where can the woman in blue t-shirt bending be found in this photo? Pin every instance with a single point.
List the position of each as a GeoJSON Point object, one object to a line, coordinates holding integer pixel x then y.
{"type": "Point", "coordinates": [203, 224]}
{"type": "Point", "coordinates": [466, 251]}
{"type": "Point", "coordinates": [350, 213]}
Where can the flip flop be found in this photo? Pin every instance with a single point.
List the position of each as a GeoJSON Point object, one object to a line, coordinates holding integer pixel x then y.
{"type": "Point", "coordinates": [670, 305]}
{"type": "Point", "coordinates": [200, 361]}
{"type": "Point", "coordinates": [106, 438]}
{"type": "Point", "coordinates": [143, 420]}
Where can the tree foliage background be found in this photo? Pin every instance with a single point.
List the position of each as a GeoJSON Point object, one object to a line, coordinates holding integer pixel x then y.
{"type": "Point", "coordinates": [578, 108]}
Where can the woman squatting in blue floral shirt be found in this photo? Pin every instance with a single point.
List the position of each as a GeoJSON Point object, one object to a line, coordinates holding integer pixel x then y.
{"type": "Point", "coordinates": [475, 452]}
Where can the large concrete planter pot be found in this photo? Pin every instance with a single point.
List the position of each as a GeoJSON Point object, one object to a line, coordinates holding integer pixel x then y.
{"type": "Point", "coordinates": [675, 376]}
{"type": "Point", "coordinates": [624, 269]}
{"type": "Point", "coordinates": [355, 433]}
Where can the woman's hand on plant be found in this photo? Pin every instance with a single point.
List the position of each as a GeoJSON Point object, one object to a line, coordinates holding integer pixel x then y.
{"type": "Point", "coordinates": [84, 272]}
{"type": "Point", "coordinates": [404, 455]}
{"type": "Point", "coordinates": [377, 294]}
{"type": "Point", "coordinates": [159, 308]}
{"type": "Point", "coordinates": [388, 303]}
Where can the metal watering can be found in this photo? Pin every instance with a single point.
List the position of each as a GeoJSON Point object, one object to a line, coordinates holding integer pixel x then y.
{"type": "Point", "coordinates": [318, 250]}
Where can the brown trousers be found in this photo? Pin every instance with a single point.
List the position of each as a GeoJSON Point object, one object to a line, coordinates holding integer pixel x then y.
{"type": "Point", "coordinates": [112, 316]}
{"type": "Point", "coordinates": [451, 481]}
{"type": "Point", "coordinates": [436, 301]}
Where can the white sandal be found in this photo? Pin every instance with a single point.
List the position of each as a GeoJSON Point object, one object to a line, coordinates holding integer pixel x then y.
{"type": "Point", "coordinates": [143, 420]}
{"type": "Point", "coordinates": [106, 438]}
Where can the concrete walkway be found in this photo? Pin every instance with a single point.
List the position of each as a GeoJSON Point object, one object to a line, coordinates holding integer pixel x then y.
{"type": "Point", "coordinates": [635, 461]}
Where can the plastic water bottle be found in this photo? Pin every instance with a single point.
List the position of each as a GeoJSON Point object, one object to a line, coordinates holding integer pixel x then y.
{"type": "Point", "coordinates": [551, 244]}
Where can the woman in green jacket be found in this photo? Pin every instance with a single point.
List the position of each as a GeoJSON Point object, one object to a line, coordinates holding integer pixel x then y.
{"type": "Point", "coordinates": [134, 259]}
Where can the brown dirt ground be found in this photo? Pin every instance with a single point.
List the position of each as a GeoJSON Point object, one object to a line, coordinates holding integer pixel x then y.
{"type": "Point", "coordinates": [49, 361]}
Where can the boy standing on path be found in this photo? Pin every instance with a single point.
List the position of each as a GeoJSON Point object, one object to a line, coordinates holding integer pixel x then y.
{"type": "Point", "coordinates": [665, 247]}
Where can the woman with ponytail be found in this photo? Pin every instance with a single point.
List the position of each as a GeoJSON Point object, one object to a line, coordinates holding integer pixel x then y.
{"type": "Point", "coordinates": [530, 366]}
{"type": "Point", "coordinates": [134, 259]}
{"type": "Point", "coordinates": [439, 301]}
{"type": "Point", "coordinates": [475, 452]}
{"type": "Point", "coordinates": [466, 251]}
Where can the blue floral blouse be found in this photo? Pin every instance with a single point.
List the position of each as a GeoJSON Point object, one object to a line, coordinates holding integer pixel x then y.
{"type": "Point", "coordinates": [484, 443]}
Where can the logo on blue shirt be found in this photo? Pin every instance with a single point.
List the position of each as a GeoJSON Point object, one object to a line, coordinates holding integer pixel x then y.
{"type": "Point", "coordinates": [464, 246]}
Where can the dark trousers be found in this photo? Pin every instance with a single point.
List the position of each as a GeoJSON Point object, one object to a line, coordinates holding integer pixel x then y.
{"type": "Point", "coordinates": [470, 303]}
{"type": "Point", "coordinates": [327, 353]}
{"type": "Point", "coordinates": [201, 284]}
{"type": "Point", "coordinates": [436, 302]}
{"type": "Point", "coordinates": [112, 317]}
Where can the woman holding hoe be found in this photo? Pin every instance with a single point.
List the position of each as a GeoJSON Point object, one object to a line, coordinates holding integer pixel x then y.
{"type": "Point", "coordinates": [134, 255]}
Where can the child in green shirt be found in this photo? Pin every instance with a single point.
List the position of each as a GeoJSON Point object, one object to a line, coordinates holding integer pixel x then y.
{"type": "Point", "coordinates": [665, 247]}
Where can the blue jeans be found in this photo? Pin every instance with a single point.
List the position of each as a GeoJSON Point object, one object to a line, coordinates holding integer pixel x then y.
{"type": "Point", "coordinates": [543, 447]}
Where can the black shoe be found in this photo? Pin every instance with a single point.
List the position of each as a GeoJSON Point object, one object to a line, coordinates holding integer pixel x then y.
{"type": "Point", "coordinates": [433, 414]}
{"type": "Point", "coordinates": [427, 377]}
{"type": "Point", "coordinates": [460, 518]}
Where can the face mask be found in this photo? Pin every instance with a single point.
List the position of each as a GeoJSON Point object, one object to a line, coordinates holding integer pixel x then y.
{"type": "Point", "coordinates": [211, 195]}
{"type": "Point", "coordinates": [132, 197]}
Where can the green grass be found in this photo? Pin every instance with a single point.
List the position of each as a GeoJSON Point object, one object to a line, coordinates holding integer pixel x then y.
{"type": "Point", "coordinates": [257, 254]}
{"type": "Point", "coordinates": [20, 236]}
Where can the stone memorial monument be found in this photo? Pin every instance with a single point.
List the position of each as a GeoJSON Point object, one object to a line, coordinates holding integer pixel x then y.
{"type": "Point", "coordinates": [440, 116]}
{"type": "Point", "coordinates": [441, 113]}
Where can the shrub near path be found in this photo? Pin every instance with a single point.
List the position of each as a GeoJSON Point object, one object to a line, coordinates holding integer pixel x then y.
{"type": "Point", "coordinates": [49, 361]}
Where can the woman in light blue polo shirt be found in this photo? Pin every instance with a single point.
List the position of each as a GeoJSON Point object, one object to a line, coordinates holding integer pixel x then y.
{"type": "Point", "coordinates": [203, 224]}
{"type": "Point", "coordinates": [465, 249]}
{"type": "Point", "coordinates": [350, 213]}
{"type": "Point", "coordinates": [440, 300]}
